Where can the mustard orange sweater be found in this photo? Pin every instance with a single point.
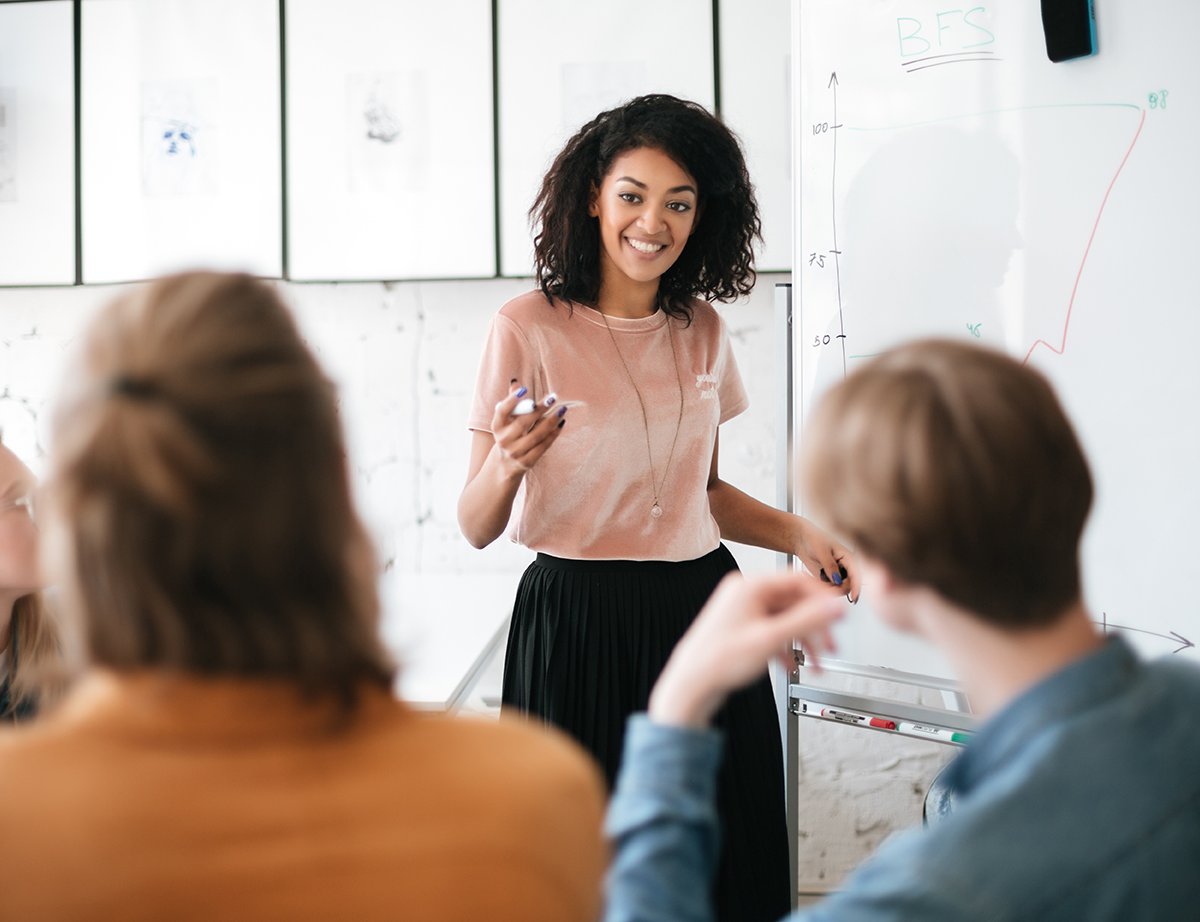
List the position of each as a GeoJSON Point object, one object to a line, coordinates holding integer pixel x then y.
{"type": "Point", "coordinates": [164, 797]}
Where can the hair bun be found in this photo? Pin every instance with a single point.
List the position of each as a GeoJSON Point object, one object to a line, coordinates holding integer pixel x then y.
{"type": "Point", "coordinates": [137, 388]}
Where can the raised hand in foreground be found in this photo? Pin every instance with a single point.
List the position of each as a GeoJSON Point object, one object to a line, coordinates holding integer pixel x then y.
{"type": "Point", "coordinates": [747, 622]}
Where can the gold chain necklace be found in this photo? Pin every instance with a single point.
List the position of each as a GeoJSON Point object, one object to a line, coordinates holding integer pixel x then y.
{"type": "Point", "coordinates": [656, 509]}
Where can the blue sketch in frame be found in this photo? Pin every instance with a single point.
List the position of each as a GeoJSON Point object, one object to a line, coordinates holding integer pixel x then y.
{"type": "Point", "coordinates": [177, 139]}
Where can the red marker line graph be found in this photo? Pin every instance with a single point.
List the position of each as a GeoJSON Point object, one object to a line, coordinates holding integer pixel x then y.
{"type": "Point", "coordinates": [1062, 346]}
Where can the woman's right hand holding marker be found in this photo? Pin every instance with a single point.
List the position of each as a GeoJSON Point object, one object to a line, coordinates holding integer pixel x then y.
{"type": "Point", "coordinates": [523, 437]}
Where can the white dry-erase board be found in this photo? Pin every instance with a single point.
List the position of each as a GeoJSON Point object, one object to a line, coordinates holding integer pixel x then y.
{"type": "Point", "coordinates": [389, 124]}
{"type": "Point", "coordinates": [180, 137]}
{"type": "Point", "coordinates": [37, 143]}
{"type": "Point", "coordinates": [755, 103]}
{"type": "Point", "coordinates": [952, 181]}
{"type": "Point", "coordinates": [560, 64]}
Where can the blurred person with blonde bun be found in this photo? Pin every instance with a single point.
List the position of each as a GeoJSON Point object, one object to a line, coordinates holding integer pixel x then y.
{"type": "Point", "coordinates": [234, 749]}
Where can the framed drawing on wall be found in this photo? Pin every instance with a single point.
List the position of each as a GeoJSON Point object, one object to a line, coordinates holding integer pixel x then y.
{"type": "Point", "coordinates": [561, 64]}
{"type": "Point", "coordinates": [390, 140]}
{"type": "Point", "coordinates": [756, 104]}
{"type": "Point", "coordinates": [180, 137]}
{"type": "Point", "coordinates": [37, 143]}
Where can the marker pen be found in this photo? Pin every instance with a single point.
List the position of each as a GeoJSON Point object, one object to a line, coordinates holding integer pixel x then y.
{"type": "Point", "coordinates": [848, 717]}
{"type": "Point", "coordinates": [937, 733]}
{"type": "Point", "coordinates": [527, 406]}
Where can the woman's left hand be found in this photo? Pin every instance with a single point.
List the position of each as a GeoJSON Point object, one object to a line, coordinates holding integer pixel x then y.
{"type": "Point", "coordinates": [827, 558]}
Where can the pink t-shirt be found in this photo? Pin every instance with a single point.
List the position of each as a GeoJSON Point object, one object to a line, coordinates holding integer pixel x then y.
{"type": "Point", "coordinates": [590, 495]}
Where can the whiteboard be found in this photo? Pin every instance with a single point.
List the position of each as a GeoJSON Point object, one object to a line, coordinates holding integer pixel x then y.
{"type": "Point", "coordinates": [561, 64]}
{"type": "Point", "coordinates": [180, 137]}
{"type": "Point", "coordinates": [390, 139]}
{"type": "Point", "coordinates": [37, 143]}
{"type": "Point", "coordinates": [972, 188]}
{"type": "Point", "coordinates": [756, 104]}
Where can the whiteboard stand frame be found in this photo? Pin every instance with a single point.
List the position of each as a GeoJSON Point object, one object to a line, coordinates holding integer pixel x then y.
{"type": "Point", "coordinates": [954, 717]}
{"type": "Point", "coordinates": [784, 499]}
{"type": "Point", "coordinates": [467, 684]}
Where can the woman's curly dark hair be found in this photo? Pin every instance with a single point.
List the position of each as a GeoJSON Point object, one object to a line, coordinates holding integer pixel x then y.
{"type": "Point", "coordinates": [718, 262]}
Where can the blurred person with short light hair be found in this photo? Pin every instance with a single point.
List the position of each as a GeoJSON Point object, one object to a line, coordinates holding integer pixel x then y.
{"type": "Point", "coordinates": [955, 475]}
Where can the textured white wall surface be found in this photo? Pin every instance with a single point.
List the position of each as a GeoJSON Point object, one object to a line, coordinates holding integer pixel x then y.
{"type": "Point", "coordinates": [857, 787]}
{"type": "Point", "coordinates": [404, 356]}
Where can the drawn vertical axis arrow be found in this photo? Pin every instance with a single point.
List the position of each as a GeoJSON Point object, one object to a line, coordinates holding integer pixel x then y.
{"type": "Point", "coordinates": [837, 264]}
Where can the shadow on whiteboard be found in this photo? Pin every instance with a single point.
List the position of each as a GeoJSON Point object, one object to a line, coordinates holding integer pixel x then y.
{"type": "Point", "coordinates": [863, 637]}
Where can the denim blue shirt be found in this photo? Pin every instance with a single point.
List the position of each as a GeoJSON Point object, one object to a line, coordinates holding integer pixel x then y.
{"type": "Point", "coordinates": [1079, 800]}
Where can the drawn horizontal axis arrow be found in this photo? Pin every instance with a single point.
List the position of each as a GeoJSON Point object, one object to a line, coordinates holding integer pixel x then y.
{"type": "Point", "coordinates": [1183, 642]}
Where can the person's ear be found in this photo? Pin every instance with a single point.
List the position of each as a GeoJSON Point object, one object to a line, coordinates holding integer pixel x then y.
{"type": "Point", "coordinates": [593, 208]}
{"type": "Point", "coordinates": [891, 598]}
{"type": "Point", "coordinates": [882, 580]}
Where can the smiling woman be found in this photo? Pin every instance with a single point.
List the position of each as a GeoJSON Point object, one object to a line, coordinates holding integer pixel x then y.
{"type": "Point", "coordinates": [646, 215]}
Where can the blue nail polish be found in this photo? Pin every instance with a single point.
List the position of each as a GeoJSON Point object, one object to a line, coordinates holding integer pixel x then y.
{"type": "Point", "coordinates": [523, 391]}
{"type": "Point", "coordinates": [562, 411]}
{"type": "Point", "coordinates": [837, 579]}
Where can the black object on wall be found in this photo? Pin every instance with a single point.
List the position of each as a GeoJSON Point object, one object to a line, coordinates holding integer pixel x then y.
{"type": "Point", "coordinates": [1070, 27]}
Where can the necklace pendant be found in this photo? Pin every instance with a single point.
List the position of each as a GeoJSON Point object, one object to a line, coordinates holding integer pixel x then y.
{"type": "Point", "coordinates": [656, 511]}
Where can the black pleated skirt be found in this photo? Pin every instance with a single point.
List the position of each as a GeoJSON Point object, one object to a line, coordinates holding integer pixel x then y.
{"type": "Point", "coordinates": [588, 640]}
